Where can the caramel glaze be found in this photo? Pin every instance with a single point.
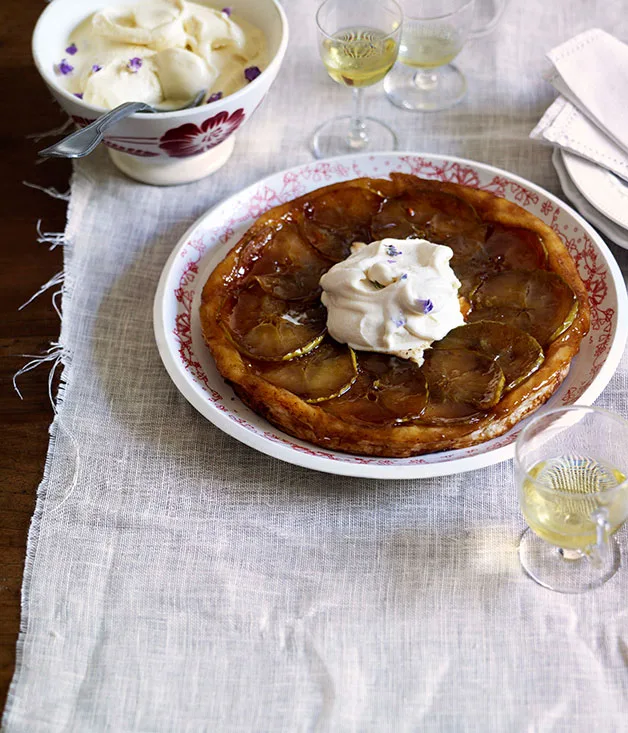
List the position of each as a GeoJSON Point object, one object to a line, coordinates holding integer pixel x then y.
{"type": "Point", "coordinates": [499, 234]}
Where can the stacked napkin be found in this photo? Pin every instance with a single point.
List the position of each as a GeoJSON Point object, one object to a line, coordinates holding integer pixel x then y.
{"type": "Point", "coordinates": [590, 116]}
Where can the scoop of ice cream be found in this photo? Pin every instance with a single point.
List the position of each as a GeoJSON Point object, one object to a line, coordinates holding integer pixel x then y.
{"type": "Point", "coordinates": [123, 80]}
{"type": "Point", "coordinates": [181, 73]}
{"type": "Point", "coordinates": [157, 24]}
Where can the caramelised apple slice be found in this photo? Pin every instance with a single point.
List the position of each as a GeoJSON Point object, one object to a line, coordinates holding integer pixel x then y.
{"type": "Point", "coordinates": [388, 391]}
{"type": "Point", "coordinates": [538, 302]}
{"type": "Point", "coordinates": [505, 248]}
{"type": "Point", "coordinates": [517, 353]}
{"type": "Point", "coordinates": [464, 376]}
{"type": "Point", "coordinates": [430, 215]}
{"type": "Point", "coordinates": [470, 262]}
{"type": "Point", "coordinates": [326, 372]}
{"type": "Point", "coordinates": [334, 220]}
{"type": "Point", "coordinates": [271, 329]}
{"type": "Point", "coordinates": [444, 412]}
{"type": "Point", "coordinates": [283, 263]}
{"type": "Point", "coordinates": [515, 248]}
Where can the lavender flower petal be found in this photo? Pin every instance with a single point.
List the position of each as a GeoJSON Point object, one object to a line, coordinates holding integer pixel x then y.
{"type": "Point", "coordinates": [392, 251]}
{"type": "Point", "coordinates": [227, 12]}
{"type": "Point", "coordinates": [72, 49]}
{"type": "Point", "coordinates": [214, 97]}
{"type": "Point", "coordinates": [134, 65]}
{"type": "Point", "coordinates": [425, 306]}
{"type": "Point", "coordinates": [252, 72]}
{"type": "Point", "coordinates": [79, 95]}
{"type": "Point", "coordinates": [96, 67]}
{"type": "Point", "coordinates": [64, 68]}
{"type": "Point", "coordinates": [399, 322]}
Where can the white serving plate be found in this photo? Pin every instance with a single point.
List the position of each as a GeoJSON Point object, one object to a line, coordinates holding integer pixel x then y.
{"type": "Point", "coordinates": [606, 191]}
{"type": "Point", "coordinates": [609, 229]}
{"type": "Point", "coordinates": [191, 367]}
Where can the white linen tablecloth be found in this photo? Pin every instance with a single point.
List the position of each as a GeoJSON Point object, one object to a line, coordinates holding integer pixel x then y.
{"type": "Point", "coordinates": [177, 580]}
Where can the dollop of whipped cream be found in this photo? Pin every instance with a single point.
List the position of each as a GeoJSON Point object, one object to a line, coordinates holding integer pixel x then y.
{"type": "Point", "coordinates": [396, 296]}
{"type": "Point", "coordinates": [162, 52]}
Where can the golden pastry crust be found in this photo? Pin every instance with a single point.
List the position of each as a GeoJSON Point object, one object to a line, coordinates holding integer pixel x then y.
{"type": "Point", "coordinates": [311, 422]}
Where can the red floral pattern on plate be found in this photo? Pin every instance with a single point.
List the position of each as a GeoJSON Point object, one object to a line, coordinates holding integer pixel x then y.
{"type": "Point", "coordinates": [191, 139]}
{"type": "Point", "coordinates": [296, 182]}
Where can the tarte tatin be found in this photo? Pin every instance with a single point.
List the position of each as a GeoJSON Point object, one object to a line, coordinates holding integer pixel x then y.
{"type": "Point", "coordinates": [525, 307]}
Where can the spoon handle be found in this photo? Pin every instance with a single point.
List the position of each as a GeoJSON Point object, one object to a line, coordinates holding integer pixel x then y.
{"type": "Point", "coordinates": [84, 141]}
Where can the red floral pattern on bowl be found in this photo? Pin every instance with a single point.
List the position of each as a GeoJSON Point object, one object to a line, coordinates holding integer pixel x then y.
{"type": "Point", "coordinates": [179, 142]}
{"type": "Point", "coordinates": [191, 139]}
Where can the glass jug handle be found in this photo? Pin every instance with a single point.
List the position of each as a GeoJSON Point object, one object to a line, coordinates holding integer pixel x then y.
{"type": "Point", "coordinates": [597, 552]}
{"type": "Point", "coordinates": [500, 6]}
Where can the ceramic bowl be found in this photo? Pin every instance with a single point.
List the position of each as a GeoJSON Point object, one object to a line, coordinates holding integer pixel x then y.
{"type": "Point", "coordinates": [169, 147]}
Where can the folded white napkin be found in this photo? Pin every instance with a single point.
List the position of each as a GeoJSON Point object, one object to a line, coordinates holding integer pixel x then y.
{"type": "Point", "coordinates": [564, 126]}
{"type": "Point", "coordinates": [590, 118]}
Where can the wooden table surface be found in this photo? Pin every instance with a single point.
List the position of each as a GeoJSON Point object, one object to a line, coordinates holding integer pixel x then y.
{"type": "Point", "coordinates": [24, 266]}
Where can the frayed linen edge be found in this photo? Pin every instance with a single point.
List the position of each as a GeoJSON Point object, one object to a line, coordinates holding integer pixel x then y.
{"type": "Point", "coordinates": [11, 709]}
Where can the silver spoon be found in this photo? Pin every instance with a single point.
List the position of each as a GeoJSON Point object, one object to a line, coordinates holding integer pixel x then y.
{"type": "Point", "coordinates": [86, 140]}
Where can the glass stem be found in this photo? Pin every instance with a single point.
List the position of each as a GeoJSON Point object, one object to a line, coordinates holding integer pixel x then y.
{"type": "Point", "coordinates": [358, 138]}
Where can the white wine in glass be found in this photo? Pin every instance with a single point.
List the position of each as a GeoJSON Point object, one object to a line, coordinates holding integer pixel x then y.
{"type": "Point", "coordinates": [429, 48]}
{"type": "Point", "coordinates": [573, 490]}
{"type": "Point", "coordinates": [359, 57]}
{"type": "Point", "coordinates": [358, 43]}
{"type": "Point", "coordinates": [579, 499]}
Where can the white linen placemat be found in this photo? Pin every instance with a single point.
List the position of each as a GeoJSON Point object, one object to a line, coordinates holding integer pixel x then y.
{"type": "Point", "coordinates": [178, 581]}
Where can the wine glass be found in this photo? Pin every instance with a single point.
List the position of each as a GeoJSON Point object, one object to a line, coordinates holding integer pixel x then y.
{"type": "Point", "coordinates": [434, 33]}
{"type": "Point", "coordinates": [572, 467]}
{"type": "Point", "coordinates": [358, 43]}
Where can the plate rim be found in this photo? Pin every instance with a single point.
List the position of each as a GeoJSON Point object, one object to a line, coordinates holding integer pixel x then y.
{"type": "Point", "coordinates": [285, 453]}
{"type": "Point", "coordinates": [574, 164]}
